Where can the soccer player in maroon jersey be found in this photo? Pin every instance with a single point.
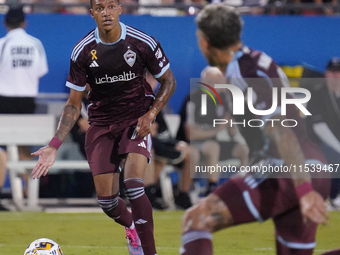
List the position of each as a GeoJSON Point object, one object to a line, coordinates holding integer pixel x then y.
{"type": "Point", "coordinates": [296, 204]}
{"type": "Point", "coordinates": [112, 59]}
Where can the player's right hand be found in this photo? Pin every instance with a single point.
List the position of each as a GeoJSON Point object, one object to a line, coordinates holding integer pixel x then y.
{"type": "Point", "coordinates": [313, 208]}
{"type": "Point", "coordinates": [47, 156]}
{"type": "Point", "coordinates": [144, 125]}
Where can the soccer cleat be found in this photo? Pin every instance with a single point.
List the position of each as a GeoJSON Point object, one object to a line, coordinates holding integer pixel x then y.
{"type": "Point", "coordinates": [133, 242]}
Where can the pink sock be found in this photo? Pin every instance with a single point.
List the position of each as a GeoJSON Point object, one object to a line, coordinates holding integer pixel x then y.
{"type": "Point", "coordinates": [141, 213]}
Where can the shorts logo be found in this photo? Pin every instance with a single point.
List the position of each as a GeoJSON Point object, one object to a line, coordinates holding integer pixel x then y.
{"type": "Point", "coordinates": [158, 54]}
{"type": "Point", "coordinates": [142, 144]}
{"type": "Point", "coordinates": [130, 57]}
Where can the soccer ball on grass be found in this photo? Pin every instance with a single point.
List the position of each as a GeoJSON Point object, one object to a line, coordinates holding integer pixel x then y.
{"type": "Point", "coordinates": [43, 246]}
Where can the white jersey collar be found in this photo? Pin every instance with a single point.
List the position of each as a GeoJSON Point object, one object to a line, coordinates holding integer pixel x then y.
{"type": "Point", "coordinates": [122, 35]}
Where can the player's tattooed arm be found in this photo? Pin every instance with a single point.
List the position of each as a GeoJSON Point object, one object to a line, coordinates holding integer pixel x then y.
{"type": "Point", "coordinates": [211, 214]}
{"type": "Point", "coordinates": [68, 118]}
{"type": "Point", "coordinates": [219, 215]}
{"type": "Point", "coordinates": [289, 149]}
{"type": "Point", "coordinates": [70, 114]}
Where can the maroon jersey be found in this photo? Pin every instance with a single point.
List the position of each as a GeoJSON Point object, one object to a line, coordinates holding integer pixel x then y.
{"type": "Point", "coordinates": [115, 72]}
{"type": "Point", "coordinates": [257, 70]}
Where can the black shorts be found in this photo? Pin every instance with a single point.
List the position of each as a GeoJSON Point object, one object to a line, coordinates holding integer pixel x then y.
{"type": "Point", "coordinates": [166, 150]}
{"type": "Point", "coordinates": [17, 105]}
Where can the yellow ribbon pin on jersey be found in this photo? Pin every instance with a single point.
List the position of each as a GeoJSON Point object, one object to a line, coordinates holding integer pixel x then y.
{"type": "Point", "coordinates": [93, 53]}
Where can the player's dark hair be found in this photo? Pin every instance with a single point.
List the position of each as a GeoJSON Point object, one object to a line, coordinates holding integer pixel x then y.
{"type": "Point", "coordinates": [220, 24]}
{"type": "Point", "coordinates": [14, 17]}
{"type": "Point", "coordinates": [91, 6]}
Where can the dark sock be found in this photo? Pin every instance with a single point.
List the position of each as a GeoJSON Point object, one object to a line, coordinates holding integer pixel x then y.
{"type": "Point", "coordinates": [196, 243]}
{"type": "Point", "coordinates": [115, 208]}
{"type": "Point", "coordinates": [141, 213]}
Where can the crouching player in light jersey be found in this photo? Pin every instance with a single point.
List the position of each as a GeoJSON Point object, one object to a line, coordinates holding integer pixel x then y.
{"type": "Point", "coordinates": [113, 59]}
{"type": "Point", "coordinates": [296, 204]}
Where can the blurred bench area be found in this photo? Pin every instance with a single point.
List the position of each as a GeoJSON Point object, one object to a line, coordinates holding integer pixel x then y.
{"type": "Point", "coordinates": [36, 130]}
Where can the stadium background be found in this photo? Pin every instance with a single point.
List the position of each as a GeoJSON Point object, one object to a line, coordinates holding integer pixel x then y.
{"type": "Point", "coordinates": [290, 40]}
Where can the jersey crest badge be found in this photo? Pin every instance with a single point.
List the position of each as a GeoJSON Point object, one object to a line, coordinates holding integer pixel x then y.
{"type": "Point", "coordinates": [130, 57]}
{"type": "Point", "coordinates": [158, 54]}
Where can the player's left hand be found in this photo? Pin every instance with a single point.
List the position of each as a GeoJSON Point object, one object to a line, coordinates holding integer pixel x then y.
{"type": "Point", "coordinates": [47, 156]}
{"type": "Point", "coordinates": [313, 208]}
{"type": "Point", "coordinates": [144, 125]}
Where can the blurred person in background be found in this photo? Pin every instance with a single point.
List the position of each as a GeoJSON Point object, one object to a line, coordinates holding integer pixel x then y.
{"type": "Point", "coordinates": [323, 125]}
{"type": "Point", "coordinates": [22, 63]}
{"type": "Point", "coordinates": [199, 131]}
{"type": "Point", "coordinates": [294, 201]}
{"type": "Point", "coordinates": [112, 59]}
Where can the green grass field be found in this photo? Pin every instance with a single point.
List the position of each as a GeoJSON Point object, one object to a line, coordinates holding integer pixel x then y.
{"type": "Point", "coordinates": [95, 234]}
